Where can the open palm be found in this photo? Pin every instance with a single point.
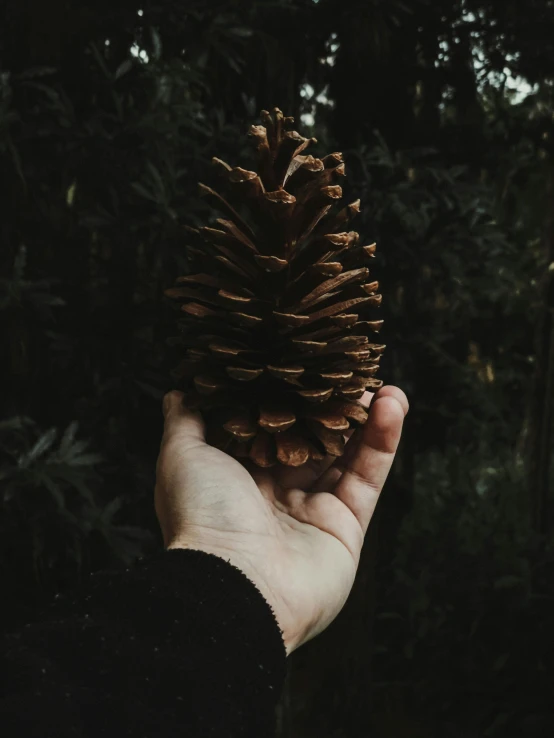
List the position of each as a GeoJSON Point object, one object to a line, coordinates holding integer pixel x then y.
{"type": "Point", "coordinates": [296, 533]}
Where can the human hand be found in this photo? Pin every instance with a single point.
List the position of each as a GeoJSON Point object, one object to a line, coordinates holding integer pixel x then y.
{"type": "Point", "coordinates": [297, 533]}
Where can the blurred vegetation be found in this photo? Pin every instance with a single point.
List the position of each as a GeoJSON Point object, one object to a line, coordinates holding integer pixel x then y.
{"type": "Point", "coordinates": [109, 115]}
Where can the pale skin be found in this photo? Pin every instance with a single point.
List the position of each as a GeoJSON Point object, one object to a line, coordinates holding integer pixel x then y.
{"type": "Point", "coordinates": [297, 534]}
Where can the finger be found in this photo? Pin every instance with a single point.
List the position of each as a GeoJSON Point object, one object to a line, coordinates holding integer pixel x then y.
{"type": "Point", "coordinates": [330, 478]}
{"type": "Point", "coordinates": [180, 421]}
{"type": "Point", "coordinates": [365, 472]}
{"type": "Point", "coordinates": [305, 476]}
{"type": "Point", "coordinates": [389, 390]}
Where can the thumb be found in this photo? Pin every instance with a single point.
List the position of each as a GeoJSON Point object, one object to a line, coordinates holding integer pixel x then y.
{"type": "Point", "coordinates": [171, 400]}
{"type": "Point", "coordinates": [181, 421]}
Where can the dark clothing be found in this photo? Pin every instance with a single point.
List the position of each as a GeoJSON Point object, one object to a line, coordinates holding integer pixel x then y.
{"type": "Point", "coordinates": [180, 645]}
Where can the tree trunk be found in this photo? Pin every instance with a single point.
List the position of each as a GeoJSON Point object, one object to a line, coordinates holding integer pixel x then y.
{"type": "Point", "coordinates": [540, 431]}
{"type": "Point", "coordinates": [373, 84]}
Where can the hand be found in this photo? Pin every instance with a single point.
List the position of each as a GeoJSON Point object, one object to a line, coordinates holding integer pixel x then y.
{"type": "Point", "coordinates": [300, 549]}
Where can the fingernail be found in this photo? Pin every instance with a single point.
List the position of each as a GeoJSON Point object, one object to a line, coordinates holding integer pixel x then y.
{"type": "Point", "coordinates": [165, 404]}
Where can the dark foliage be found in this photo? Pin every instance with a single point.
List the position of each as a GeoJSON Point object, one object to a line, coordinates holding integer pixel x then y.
{"type": "Point", "coordinates": [109, 115]}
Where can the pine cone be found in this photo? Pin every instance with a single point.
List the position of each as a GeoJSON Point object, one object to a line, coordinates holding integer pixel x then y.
{"type": "Point", "coordinates": [276, 307]}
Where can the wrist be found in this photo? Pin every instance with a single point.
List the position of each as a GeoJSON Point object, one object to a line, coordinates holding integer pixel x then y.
{"type": "Point", "coordinates": [290, 642]}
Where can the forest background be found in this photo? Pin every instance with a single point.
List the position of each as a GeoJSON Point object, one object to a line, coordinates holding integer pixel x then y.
{"type": "Point", "coordinates": [444, 110]}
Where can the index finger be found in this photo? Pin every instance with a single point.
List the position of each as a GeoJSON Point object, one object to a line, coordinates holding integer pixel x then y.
{"type": "Point", "coordinates": [367, 469]}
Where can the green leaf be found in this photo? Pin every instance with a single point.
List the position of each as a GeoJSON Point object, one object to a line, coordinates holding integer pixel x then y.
{"type": "Point", "coordinates": [54, 490]}
{"type": "Point", "coordinates": [86, 459]}
{"type": "Point", "coordinates": [68, 438]}
{"type": "Point", "coordinates": [18, 422]}
{"type": "Point", "coordinates": [85, 492]}
{"type": "Point", "coordinates": [20, 262]}
{"type": "Point", "coordinates": [111, 509]}
{"type": "Point", "coordinates": [156, 44]}
{"type": "Point", "coordinates": [240, 32]}
{"type": "Point", "coordinates": [100, 61]}
{"type": "Point", "coordinates": [123, 68]}
{"type": "Point", "coordinates": [234, 64]}
{"type": "Point", "coordinates": [44, 443]}
{"type": "Point", "coordinates": [35, 72]}
{"type": "Point", "coordinates": [141, 190]}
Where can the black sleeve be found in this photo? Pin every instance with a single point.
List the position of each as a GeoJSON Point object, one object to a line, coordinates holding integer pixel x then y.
{"type": "Point", "coordinates": [182, 644]}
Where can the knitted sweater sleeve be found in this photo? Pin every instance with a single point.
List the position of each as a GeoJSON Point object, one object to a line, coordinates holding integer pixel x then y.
{"type": "Point", "coordinates": [182, 644]}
